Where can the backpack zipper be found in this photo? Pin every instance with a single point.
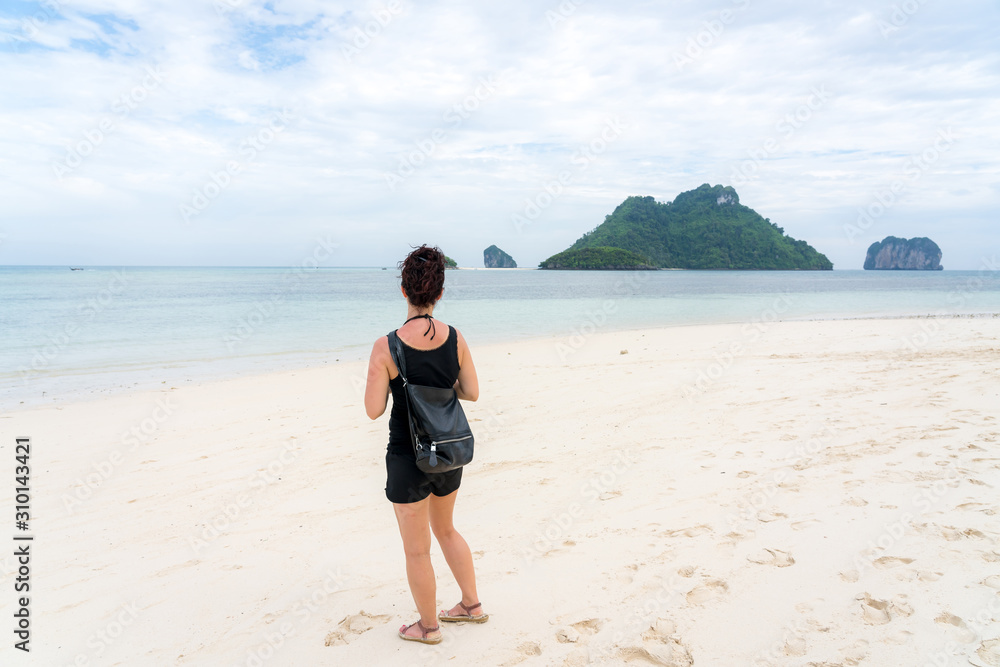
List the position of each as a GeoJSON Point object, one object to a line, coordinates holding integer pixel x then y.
{"type": "Point", "coordinates": [441, 442]}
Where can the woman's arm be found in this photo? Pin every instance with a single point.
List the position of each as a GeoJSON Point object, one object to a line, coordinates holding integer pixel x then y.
{"type": "Point", "coordinates": [377, 388]}
{"type": "Point", "coordinates": [467, 384]}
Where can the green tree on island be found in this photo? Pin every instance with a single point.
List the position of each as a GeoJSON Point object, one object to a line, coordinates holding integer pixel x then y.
{"type": "Point", "coordinates": [705, 228]}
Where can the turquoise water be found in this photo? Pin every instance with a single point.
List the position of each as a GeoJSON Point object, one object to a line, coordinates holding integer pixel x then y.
{"type": "Point", "coordinates": [106, 328]}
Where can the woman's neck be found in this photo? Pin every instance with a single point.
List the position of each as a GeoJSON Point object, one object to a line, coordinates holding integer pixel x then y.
{"type": "Point", "coordinates": [413, 311]}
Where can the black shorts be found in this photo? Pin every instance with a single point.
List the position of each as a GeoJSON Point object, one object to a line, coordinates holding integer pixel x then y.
{"type": "Point", "coordinates": [406, 483]}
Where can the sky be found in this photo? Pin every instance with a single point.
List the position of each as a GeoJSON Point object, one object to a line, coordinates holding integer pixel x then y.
{"type": "Point", "coordinates": [248, 133]}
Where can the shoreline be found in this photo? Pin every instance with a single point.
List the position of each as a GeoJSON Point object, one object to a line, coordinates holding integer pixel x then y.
{"type": "Point", "coordinates": [122, 376]}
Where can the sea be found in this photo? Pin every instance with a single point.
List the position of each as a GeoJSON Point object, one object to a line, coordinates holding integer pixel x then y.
{"type": "Point", "coordinates": [68, 334]}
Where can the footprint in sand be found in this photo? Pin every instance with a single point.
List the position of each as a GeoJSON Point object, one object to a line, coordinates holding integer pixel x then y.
{"type": "Point", "coordinates": [873, 611]}
{"type": "Point", "coordinates": [529, 649]}
{"type": "Point", "coordinates": [855, 654]}
{"type": "Point", "coordinates": [773, 557]}
{"type": "Point", "coordinates": [768, 517]}
{"type": "Point", "coordinates": [795, 646]}
{"type": "Point", "coordinates": [901, 606]}
{"type": "Point", "coordinates": [886, 562]}
{"type": "Point", "coordinates": [656, 654]}
{"type": "Point", "coordinates": [524, 651]}
{"type": "Point", "coordinates": [952, 534]}
{"type": "Point", "coordinates": [589, 627]}
{"type": "Point", "coordinates": [577, 658]}
{"type": "Point", "coordinates": [799, 525]}
{"type": "Point", "coordinates": [352, 626]}
{"type": "Point", "coordinates": [989, 653]}
{"type": "Point", "coordinates": [693, 531]}
{"type": "Point", "coordinates": [710, 590]}
{"type": "Point", "coordinates": [660, 646]}
{"type": "Point", "coordinates": [958, 630]}
{"type": "Point", "coordinates": [575, 631]}
{"type": "Point", "coordinates": [567, 636]}
{"type": "Point", "coordinates": [993, 581]}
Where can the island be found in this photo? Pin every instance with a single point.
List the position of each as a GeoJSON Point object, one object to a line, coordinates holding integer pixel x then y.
{"type": "Point", "coordinates": [896, 254]}
{"type": "Point", "coordinates": [449, 263]}
{"type": "Point", "coordinates": [705, 228]}
{"type": "Point", "coordinates": [601, 258]}
{"type": "Point", "coordinates": [495, 258]}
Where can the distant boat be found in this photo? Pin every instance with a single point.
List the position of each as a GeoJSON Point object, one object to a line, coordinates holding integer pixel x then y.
{"type": "Point", "coordinates": [73, 268]}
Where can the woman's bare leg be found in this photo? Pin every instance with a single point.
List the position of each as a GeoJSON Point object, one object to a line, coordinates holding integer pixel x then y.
{"type": "Point", "coordinates": [456, 550]}
{"type": "Point", "coordinates": [413, 528]}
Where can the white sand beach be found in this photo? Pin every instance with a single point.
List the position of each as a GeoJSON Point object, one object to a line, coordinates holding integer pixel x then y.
{"type": "Point", "coordinates": [802, 493]}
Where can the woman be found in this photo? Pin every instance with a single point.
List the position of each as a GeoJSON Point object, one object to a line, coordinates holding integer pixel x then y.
{"type": "Point", "coordinates": [436, 356]}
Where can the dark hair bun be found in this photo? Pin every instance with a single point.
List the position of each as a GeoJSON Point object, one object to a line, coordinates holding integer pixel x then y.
{"type": "Point", "coordinates": [422, 275]}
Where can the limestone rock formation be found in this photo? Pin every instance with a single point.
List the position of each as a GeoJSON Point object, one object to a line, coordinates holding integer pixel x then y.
{"type": "Point", "coordinates": [495, 258]}
{"type": "Point", "coordinates": [892, 253]}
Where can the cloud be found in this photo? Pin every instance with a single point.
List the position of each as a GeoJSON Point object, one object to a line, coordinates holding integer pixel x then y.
{"type": "Point", "coordinates": [810, 111]}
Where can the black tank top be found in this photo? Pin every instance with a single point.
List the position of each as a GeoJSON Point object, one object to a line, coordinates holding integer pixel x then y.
{"type": "Point", "coordinates": [431, 368]}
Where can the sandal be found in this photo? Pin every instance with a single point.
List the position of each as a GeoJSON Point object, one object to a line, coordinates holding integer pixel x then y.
{"type": "Point", "coordinates": [467, 617]}
{"type": "Point", "coordinates": [423, 638]}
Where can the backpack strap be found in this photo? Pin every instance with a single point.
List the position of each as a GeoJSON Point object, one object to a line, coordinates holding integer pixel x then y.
{"type": "Point", "coordinates": [399, 358]}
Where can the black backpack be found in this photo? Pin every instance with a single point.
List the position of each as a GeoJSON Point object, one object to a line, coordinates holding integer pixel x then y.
{"type": "Point", "coordinates": [439, 431]}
